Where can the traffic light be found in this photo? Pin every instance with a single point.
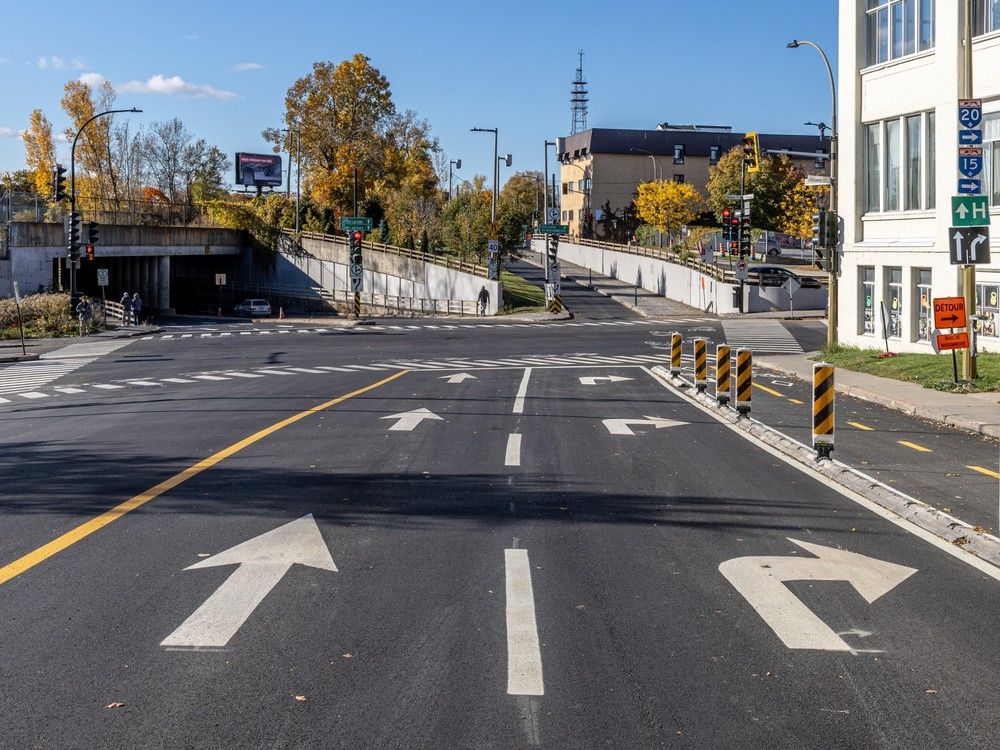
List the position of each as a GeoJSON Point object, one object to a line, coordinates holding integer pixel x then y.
{"type": "Point", "coordinates": [59, 183]}
{"type": "Point", "coordinates": [726, 224]}
{"type": "Point", "coordinates": [356, 247]}
{"type": "Point", "coordinates": [751, 152]}
{"type": "Point", "coordinates": [90, 252]}
{"type": "Point", "coordinates": [746, 238]}
{"type": "Point", "coordinates": [93, 235]}
{"type": "Point", "coordinates": [819, 231]}
{"type": "Point", "coordinates": [551, 248]}
{"type": "Point", "coordinates": [74, 233]}
{"type": "Point", "coordinates": [507, 159]}
{"type": "Point", "coordinates": [831, 235]}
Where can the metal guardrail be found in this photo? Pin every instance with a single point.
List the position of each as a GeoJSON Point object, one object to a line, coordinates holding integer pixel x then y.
{"type": "Point", "coordinates": [440, 260]}
{"type": "Point", "coordinates": [386, 302]}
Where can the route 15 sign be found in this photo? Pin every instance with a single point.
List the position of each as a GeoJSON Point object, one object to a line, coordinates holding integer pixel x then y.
{"type": "Point", "coordinates": [970, 161]}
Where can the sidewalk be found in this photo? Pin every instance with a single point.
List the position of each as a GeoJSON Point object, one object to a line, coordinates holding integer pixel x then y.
{"type": "Point", "coordinates": [10, 349]}
{"type": "Point", "coordinates": [977, 412]}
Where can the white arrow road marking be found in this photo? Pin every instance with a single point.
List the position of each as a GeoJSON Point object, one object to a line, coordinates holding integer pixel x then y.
{"type": "Point", "coordinates": [410, 419]}
{"type": "Point", "coordinates": [524, 656]}
{"type": "Point", "coordinates": [761, 581]}
{"type": "Point", "coordinates": [458, 377]}
{"type": "Point", "coordinates": [263, 561]}
{"type": "Point", "coordinates": [595, 379]}
{"type": "Point", "coordinates": [621, 426]}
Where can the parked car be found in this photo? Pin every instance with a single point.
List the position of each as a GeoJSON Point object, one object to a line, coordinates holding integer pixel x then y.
{"type": "Point", "coordinates": [773, 275]}
{"type": "Point", "coordinates": [253, 308]}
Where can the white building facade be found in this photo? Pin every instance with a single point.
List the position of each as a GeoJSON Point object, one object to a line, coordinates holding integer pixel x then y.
{"type": "Point", "coordinates": [901, 63]}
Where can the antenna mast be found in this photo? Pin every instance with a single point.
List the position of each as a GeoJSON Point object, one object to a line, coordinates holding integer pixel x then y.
{"type": "Point", "coordinates": [578, 100]}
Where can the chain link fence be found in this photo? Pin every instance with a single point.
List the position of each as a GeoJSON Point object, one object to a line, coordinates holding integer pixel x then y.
{"type": "Point", "coordinates": [15, 206]}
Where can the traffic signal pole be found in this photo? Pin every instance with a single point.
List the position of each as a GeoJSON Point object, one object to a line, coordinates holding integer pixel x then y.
{"type": "Point", "coordinates": [970, 369]}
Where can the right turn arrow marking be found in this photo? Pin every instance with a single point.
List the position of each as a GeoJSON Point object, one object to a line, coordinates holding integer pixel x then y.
{"type": "Point", "coordinates": [621, 426]}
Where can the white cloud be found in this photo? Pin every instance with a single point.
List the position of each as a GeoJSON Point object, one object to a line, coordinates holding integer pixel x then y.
{"type": "Point", "coordinates": [92, 79]}
{"type": "Point", "coordinates": [9, 133]}
{"type": "Point", "coordinates": [55, 62]}
{"type": "Point", "coordinates": [77, 63]}
{"type": "Point", "coordinates": [60, 137]}
{"type": "Point", "coordinates": [241, 67]}
{"type": "Point", "coordinates": [174, 85]}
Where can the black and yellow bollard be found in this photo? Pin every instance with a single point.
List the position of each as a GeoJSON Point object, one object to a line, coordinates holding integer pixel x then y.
{"type": "Point", "coordinates": [723, 383]}
{"type": "Point", "coordinates": [676, 340]}
{"type": "Point", "coordinates": [823, 409]}
{"type": "Point", "coordinates": [357, 305]}
{"type": "Point", "coordinates": [556, 305]}
{"type": "Point", "coordinates": [744, 380]}
{"type": "Point", "coordinates": [700, 365]}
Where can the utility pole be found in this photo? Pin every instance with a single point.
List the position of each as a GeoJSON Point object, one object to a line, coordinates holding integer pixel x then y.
{"type": "Point", "coordinates": [970, 369]}
{"type": "Point", "coordinates": [545, 213]}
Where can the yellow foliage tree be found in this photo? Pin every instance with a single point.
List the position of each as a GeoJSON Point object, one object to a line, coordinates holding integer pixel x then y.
{"type": "Point", "coordinates": [797, 208]}
{"type": "Point", "coordinates": [40, 152]}
{"type": "Point", "coordinates": [668, 205]}
{"type": "Point", "coordinates": [95, 178]}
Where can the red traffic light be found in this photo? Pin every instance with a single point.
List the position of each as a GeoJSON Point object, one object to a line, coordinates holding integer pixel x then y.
{"type": "Point", "coordinates": [358, 236]}
{"type": "Point", "coordinates": [726, 213]}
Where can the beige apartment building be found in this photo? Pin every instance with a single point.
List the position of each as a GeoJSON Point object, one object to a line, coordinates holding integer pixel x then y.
{"type": "Point", "coordinates": [603, 166]}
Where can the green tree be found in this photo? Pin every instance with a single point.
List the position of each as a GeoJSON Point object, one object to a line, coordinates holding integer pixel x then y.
{"type": "Point", "coordinates": [465, 221]}
{"type": "Point", "coordinates": [776, 179]}
{"type": "Point", "coordinates": [518, 205]}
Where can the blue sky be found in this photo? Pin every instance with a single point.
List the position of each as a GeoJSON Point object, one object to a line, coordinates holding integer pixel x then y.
{"type": "Point", "coordinates": [223, 67]}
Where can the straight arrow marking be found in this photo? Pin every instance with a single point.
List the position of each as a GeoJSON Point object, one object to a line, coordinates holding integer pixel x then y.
{"type": "Point", "coordinates": [761, 581]}
{"type": "Point", "coordinates": [410, 419]}
{"type": "Point", "coordinates": [263, 562]}
{"type": "Point", "coordinates": [458, 377]}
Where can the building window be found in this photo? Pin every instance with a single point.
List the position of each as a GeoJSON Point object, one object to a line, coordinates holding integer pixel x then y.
{"type": "Point", "coordinates": [914, 150]}
{"type": "Point", "coordinates": [564, 216]}
{"type": "Point", "coordinates": [873, 161]}
{"type": "Point", "coordinates": [565, 187]}
{"type": "Point", "coordinates": [678, 178]}
{"type": "Point", "coordinates": [894, 300]}
{"type": "Point", "coordinates": [891, 165]}
{"type": "Point", "coordinates": [930, 171]}
{"type": "Point", "coordinates": [987, 308]}
{"type": "Point", "coordinates": [922, 282]}
{"type": "Point", "coordinates": [714, 152]}
{"type": "Point", "coordinates": [679, 153]}
{"type": "Point", "coordinates": [985, 16]}
{"type": "Point", "coordinates": [991, 157]}
{"type": "Point", "coordinates": [867, 294]}
{"type": "Point", "coordinates": [571, 214]}
{"type": "Point", "coordinates": [897, 28]}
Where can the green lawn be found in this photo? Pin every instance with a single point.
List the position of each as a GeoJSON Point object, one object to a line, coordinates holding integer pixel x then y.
{"type": "Point", "coordinates": [928, 370]}
{"type": "Point", "coordinates": [519, 295]}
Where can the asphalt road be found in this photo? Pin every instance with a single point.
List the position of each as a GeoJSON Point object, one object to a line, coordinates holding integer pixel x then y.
{"type": "Point", "coordinates": [521, 571]}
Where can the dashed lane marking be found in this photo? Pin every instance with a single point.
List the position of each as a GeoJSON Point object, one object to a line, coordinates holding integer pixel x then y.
{"type": "Point", "coordinates": [759, 387]}
{"type": "Point", "coordinates": [914, 446]}
{"type": "Point", "coordinates": [860, 426]}
{"type": "Point", "coordinates": [982, 470]}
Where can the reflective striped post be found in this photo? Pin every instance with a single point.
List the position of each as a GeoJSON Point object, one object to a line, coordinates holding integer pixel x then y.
{"type": "Point", "coordinates": [675, 354]}
{"type": "Point", "coordinates": [700, 365]}
{"type": "Point", "coordinates": [744, 380]}
{"type": "Point", "coordinates": [823, 409]}
{"type": "Point", "coordinates": [357, 304]}
{"type": "Point", "coordinates": [723, 383]}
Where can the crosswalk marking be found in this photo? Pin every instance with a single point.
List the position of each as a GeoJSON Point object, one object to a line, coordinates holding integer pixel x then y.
{"type": "Point", "coordinates": [760, 335]}
{"type": "Point", "coordinates": [33, 394]}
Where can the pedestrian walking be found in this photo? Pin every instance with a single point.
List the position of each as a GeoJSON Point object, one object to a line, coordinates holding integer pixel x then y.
{"type": "Point", "coordinates": [484, 300]}
{"type": "Point", "coordinates": [126, 304]}
{"type": "Point", "coordinates": [85, 312]}
{"type": "Point", "coordinates": [137, 308]}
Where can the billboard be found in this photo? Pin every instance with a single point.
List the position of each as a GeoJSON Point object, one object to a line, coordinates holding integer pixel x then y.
{"type": "Point", "coordinates": [258, 170]}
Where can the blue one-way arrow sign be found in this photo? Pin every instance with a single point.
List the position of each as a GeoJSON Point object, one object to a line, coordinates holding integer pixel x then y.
{"type": "Point", "coordinates": [970, 187]}
{"type": "Point", "coordinates": [970, 137]}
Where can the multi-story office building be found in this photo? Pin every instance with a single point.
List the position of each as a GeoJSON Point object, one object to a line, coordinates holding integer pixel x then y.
{"type": "Point", "coordinates": [602, 167]}
{"type": "Point", "coordinates": [901, 63]}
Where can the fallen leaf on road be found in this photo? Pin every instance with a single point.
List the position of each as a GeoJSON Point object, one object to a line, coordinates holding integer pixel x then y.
{"type": "Point", "coordinates": [930, 691]}
{"type": "Point", "coordinates": [961, 541]}
{"type": "Point", "coordinates": [116, 704]}
{"type": "Point", "coordinates": [300, 698]}
{"type": "Point", "coordinates": [348, 656]}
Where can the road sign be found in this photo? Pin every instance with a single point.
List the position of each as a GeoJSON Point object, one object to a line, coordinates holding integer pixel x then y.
{"type": "Point", "coordinates": [220, 279]}
{"type": "Point", "coordinates": [817, 180]}
{"type": "Point", "coordinates": [969, 245]}
{"type": "Point", "coordinates": [970, 112]}
{"type": "Point", "coordinates": [739, 197]}
{"type": "Point", "coordinates": [407, 420]}
{"type": "Point", "coordinates": [970, 166]}
{"type": "Point", "coordinates": [761, 581]}
{"type": "Point", "coordinates": [102, 277]}
{"type": "Point", "coordinates": [357, 283]}
{"type": "Point", "coordinates": [949, 312]}
{"type": "Point", "coordinates": [741, 270]}
{"type": "Point", "coordinates": [792, 285]}
{"type": "Point", "coordinates": [970, 187]}
{"type": "Point", "coordinates": [493, 270]}
{"type": "Point", "coordinates": [970, 137]}
{"type": "Point", "coordinates": [553, 214]}
{"type": "Point", "coordinates": [944, 342]}
{"type": "Point", "coordinates": [553, 228]}
{"type": "Point", "coordinates": [357, 270]}
{"type": "Point", "coordinates": [494, 232]}
{"type": "Point", "coordinates": [263, 562]}
{"type": "Point", "coordinates": [970, 210]}
{"type": "Point", "coordinates": [493, 246]}
{"type": "Point", "coordinates": [354, 223]}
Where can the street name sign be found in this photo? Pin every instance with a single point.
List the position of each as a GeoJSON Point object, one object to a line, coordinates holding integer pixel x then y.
{"type": "Point", "coordinates": [355, 223]}
{"type": "Point", "coordinates": [970, 210]}
{"type": "Point", "coordinates": [553, 228]}
{"type": "Point", "coordinates": [949, 312]}
{"type": "Point", "coordinates": [817, 180]}
{"type": "Point", "coordinates": [944, 342]}
{"type": "Point", "coordinates": [969, 246]}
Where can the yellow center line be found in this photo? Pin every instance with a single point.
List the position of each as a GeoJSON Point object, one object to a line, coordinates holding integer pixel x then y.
{"type": "Point", "coordinates": [764, 388]}
{"type": "Point", "coordinates": [987, 472]}
{"type": "Point", "coordinates": [795, 400]}
{"type": "Point", "coordinates": [915, 447]}
{"type": "Point", "coordinates": [861, 426]}
{"type": "Point", "coordinates": [87, 528]}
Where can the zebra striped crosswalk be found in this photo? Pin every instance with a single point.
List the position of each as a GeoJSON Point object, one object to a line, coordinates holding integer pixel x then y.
{"type": "Point", "coordinates": [761, 336]}
{"type": "Point", "coordinates": [28, 377]}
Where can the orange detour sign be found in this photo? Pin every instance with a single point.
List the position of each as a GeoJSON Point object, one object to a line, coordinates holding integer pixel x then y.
{"type": "Point", "coordinates": [949, 312]}
{"type": "Point", "coordinates": [945, 341]}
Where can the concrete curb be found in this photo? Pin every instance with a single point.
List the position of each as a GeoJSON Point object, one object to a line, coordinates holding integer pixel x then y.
{"type": "Point", "coordinates": [942, 525]}
{"type": "Point", "coordinates": [907, 407]}
{"type": "Point", "coordinates": [18, 357]}
{"type": "Point", "coordinates": [537, 318]}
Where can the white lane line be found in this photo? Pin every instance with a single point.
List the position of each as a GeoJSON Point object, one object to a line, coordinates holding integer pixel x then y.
{"type": "Point", "coordinates": [176, 380]}
{"type": "Point", "coordinates": [522, 392]}
{"type": "Point", "coordinates": [306, 369]}
{"type": "Point", "coordinates": [265, 333]}
{"type": "Point", "coordinates": [186, 335]}
{"type": "Point", "coordinates": [330, 368]}
{"type": "Point", "coordinates": [513, 457]}
{"type": "Point", "coordinates": [275, 372]}
{"type": "Point", "coordinates": [241, 375]}
{"type": "Point", "coordinates": [209, 377]}
{"type": "Point", "coordinates": [67, 389]}
{"type": "Point", "coordinates": [4, 400]}
{"type": "Point", "coordinates": [246, 333]}
{"type": "Point", "coordinates": [108, 387]}
{"type": "Point", "coordinates": [143, 383]}
{"type": "Point", "coordinates": [524, 657]}
{"type": "Point", "coordinates": [33, 394]}
{"type": "Point", "coordinates": [227, 333]}
{"type": "Point", "coordinates": [168, 336]}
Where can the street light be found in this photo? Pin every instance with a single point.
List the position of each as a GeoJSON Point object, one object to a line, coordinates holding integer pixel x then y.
{"type": "Point", "coordinates": [458, 165]}
{"type": "Point", "coordinates": [831, 335]}
{"type": "Point", "coordinates": [650, 155]}
{"type": "Point", "coordinates": [72, 191]}
{"type": "Point", "coordinates": [496, 168]}
{"type": "Point", "coordinates": [545, 218]}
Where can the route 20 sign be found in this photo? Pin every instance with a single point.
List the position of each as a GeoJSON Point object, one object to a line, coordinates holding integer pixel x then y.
{"type": "Point", "coordinates": [949, 312]}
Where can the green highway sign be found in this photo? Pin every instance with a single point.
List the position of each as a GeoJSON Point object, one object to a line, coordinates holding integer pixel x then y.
{"type": "Point", "coordinates": [970, 211]}
{"type": "Point", "coordinates": [553, 229]}
{"type": "Point", "coordinates": [354, 223]}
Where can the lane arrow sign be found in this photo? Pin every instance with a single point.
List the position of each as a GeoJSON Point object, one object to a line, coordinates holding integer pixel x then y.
{"type": "Point", "coordinates": [621, 426]}
{"type": "Point", "coordinates": [410, 419]}
{"type": "Point", "coordinates": [594, 379]}
{"type": "Point", "coordinates": [761, 581]}
{"type": "Point", "coordinates": [979, 240]}
{"type": "Point", "coordinates": [457, 378]}
{"type": "Point", "coordinates": [263, 562]}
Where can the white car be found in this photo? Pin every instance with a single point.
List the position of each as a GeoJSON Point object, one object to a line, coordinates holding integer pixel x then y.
{"type": "Point", "coordinates": [254, 308]}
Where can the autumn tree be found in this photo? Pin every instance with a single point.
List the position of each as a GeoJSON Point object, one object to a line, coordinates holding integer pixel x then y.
{"type": "Point", "coordinates": [668, 205]}
{"type": "Point", "coordinates": [518, 205]}
{"type": "Point", "coordinates": [798, 207]}
{"type": "Point", "coordinates": [81, 101]}
{"type": "Point", "coordinates": [776, 179]}
{"type": "Point", "coordinates": [465, 221]}
{"type": "Point", "coordinates": [40, 152]}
